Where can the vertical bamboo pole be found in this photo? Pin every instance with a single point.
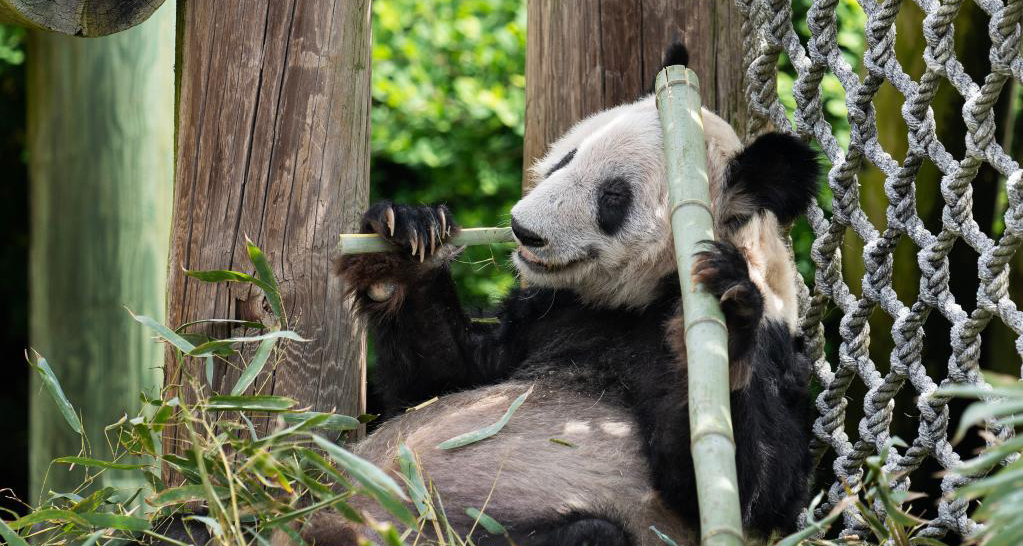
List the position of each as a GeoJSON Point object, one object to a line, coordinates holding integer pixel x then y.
{"type": "Point", "coordinates": [710, 419]}
{"type": "Point", "coordinates": [100, 141]}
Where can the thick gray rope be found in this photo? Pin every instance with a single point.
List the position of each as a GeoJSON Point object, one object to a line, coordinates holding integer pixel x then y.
{"type": "Point", "coordinates": [769, 32]}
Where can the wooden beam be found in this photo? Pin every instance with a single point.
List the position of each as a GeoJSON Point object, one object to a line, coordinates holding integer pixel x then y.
{"type": "Point", "coordinates": [587, 55]}
{"type": "Point", "coordinates": [77, 17]}
{"type": "Point", "coordinates": [273, 144]}
{"type": "Point", "coordinates": [100, 143]}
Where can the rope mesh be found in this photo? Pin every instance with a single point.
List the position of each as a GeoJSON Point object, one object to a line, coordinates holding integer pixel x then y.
{"type": "Point", "coordinates": [769, 31]}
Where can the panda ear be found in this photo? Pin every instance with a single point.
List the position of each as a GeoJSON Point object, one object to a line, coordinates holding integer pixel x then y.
{"type": "Point", "coordinates": [777, 172]}
{"type": "Point", "coordinates": [675, 53]}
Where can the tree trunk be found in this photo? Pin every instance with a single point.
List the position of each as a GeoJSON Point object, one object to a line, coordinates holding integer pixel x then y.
{"type": "Point", "coordinates": [100, 142]}
{"type": "Point", "coordinates": [272, 144]}
{"type": "Point", "coordinates": [77, 17]}
{"type": "Point", "coordinates": [587, 55]}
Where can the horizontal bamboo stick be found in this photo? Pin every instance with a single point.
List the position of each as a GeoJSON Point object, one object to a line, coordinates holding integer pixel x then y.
{"type": "Point", "coordinates": [362, 243]}
{"type": "Point", "coordinates": [710, 420]}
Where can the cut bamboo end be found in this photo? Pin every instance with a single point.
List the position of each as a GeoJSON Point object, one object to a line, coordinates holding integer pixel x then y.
{"type": "Point", "coordinates": [363, 243]}
{"type": "Point", "coordinates": [713, 447]}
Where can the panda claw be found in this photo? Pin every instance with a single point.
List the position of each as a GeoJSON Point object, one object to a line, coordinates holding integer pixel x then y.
{"type": "Point", "coordinates": [389, 217]}
{"type": "Point", "coordinates": [443, 222]}
{"type": "Point", "coordinates": [732, 293]}
{"type": "Point", "coordinates": [422, 251]}
{"type": "Point", "coordinates": [433, 239]}
{"type": "Point", "coordinates": [414, 242]}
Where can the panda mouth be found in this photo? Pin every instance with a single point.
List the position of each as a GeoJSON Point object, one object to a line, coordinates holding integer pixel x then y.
{"type": "Point", "coordinates": [534, 263]}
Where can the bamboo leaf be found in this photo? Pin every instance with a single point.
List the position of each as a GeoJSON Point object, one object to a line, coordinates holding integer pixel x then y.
{"type": "Point", "coordinates": [56, 392]}
{"type": "Point", "coordinates": [361, 469]}
{"type": "Point", "coordinates": [377, 483]}
{"type": "Point", "coordinates": [96, 463]}
{"type": "Point", "coordinates": [171, 336]}
{"type": "Point", "coordinates": [183, 494]}
{"type": "Point", "coordinates": [416, 484]}
{"type": "Point", "coordinates": [251, 371]}
{"type": "Point", "coordinates": [235, 322]}
{"type": "Point", "coordinates": [50, 514]}
{"type": "Point", "coordinates": [332, 421]}
{"type": "Point", "coordinates": [212, 524]}
{"type": "Point", "coordinates": [269, 282]}
{"type": "Point", "coordinates": [982, 411]}
{"type": "Point", "coordinates": [250, 403]}
{"type": "Point", "coordinates": [488, 431]}
{"type": "Point", "coordinates": [10, 536]}
{"type": "Point", "coordinates": [117, 521]}
{"type": "Point", "coordinates": [209, 370]}
{"type": "Point", "coordinates": [91, 539]}
{"type": "Point", "coordinates": [211, 347]}
{"type": "Point", "coordinates": [664, 538]}
{"type": "Point", "coordinates": [488, 523]}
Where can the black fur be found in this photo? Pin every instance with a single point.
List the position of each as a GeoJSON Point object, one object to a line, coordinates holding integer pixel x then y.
{"type": "Point", "coordinates": [780, 173]}
{"type": "Point", "coordinates": [676, 53]}
{"type": "Point", "coordinates": [613, 202]}
{"type": "Point", "coordinates": [723, 270]}
{"type": "Point", "coordinates": [427, 347]}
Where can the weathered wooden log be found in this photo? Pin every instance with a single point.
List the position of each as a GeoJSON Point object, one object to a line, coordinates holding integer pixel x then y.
{"type": "Point", "coordinates": [77, 17]}
{"type": "Point", "coordinates": [273, 144]}
{"type": "Point", "coordinates": [586, 55]}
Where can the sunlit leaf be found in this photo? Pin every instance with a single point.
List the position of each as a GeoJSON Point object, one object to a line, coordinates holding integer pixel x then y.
{"type": "Point", "coordinates": [56, 392]}
{"type": "Point", "coordinates": [259, 402]}
{"type": "Point", "coordinates": [488, 523]}
{"type": "Point", "coordinates": [97, 463]}
{"type": "Point", "coordinates": [488, 431]}
{"type": "Point", "coordinates": [330, 421]}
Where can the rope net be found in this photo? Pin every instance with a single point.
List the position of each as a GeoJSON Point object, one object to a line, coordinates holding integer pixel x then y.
{"type": "Point", "coordinates": [769, 31]}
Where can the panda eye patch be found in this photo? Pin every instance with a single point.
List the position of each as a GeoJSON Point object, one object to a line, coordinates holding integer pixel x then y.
{"type": "Point", "coordinates": [613, 203]}
{"type": "Point", "coordinates": [564, 161]}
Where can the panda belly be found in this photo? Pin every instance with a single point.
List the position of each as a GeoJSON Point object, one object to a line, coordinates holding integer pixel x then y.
{"type": "Point", "coordinates": [530, 480]}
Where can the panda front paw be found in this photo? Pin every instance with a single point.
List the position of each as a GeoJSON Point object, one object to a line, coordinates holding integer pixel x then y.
{"type": "Point", "coordinates": [724, 272]}
{"type": "Point", "coordinates": [418, 233]}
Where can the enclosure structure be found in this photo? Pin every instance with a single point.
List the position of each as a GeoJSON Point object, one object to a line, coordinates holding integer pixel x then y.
{"type": "Point", "coordinates": [769, 33]}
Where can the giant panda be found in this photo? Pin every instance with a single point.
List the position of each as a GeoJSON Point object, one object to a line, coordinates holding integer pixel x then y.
{"type": "Point", "coordinates": [596, 334]}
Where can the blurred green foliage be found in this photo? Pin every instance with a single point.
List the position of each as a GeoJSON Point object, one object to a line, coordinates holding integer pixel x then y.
{"type": "Point", "coordinates": [11, 50]}
{"type": "Point", "coordinates": [851, 21]}
{"type": "Point", "coordinates": [448, 109]}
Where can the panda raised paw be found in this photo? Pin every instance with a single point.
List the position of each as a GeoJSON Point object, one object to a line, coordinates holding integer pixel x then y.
{"type": "Point", "coordinates": [724, 272]}
{"type": "Point", "coordinates": [420, 235]}
{"type": "Point", "coordinates": [419, 231]}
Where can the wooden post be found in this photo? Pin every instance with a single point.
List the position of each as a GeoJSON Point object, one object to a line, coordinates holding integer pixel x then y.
{"type": "Point", "coordinates": [586, 55]}
{"type": "Point", "coordinates": [273, 144]}
{"type": "Point", "coordinates": [77, 17]}
{"type": "Point", "coordinates": [100, 142]}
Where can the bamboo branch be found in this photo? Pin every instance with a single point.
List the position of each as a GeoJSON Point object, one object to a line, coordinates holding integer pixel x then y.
{"type": "Point", "coordinates": [361, 243]}
{"type": "Point", "coordinates": [710, 420]}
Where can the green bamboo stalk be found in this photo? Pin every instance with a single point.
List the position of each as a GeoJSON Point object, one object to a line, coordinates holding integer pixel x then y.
{"type": "Point", "coordinates": [362, 243]}
{"type": "Point", "coordinates": [710, 420]}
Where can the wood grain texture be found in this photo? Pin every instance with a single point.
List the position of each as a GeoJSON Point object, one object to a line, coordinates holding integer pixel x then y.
{"type": "Point", "coordinates": [587, 55]}
{"type": "Point", "coordinates": [77, 17]}
{"type": "Point", "coordinates": [273, 144]}
{"type": "Point", "coordinates": [100, 142]}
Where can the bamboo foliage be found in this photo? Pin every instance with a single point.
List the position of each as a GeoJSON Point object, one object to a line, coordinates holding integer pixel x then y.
{"type": "Point", "coordinates": [710, 420]}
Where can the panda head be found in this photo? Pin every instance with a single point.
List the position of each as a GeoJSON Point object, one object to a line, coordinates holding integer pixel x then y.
{"type": "Point", "coordinates": [597, 219]}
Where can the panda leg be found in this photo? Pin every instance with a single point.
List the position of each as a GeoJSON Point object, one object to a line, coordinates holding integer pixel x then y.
{"type": "Point", "coordinates": [580, 531]}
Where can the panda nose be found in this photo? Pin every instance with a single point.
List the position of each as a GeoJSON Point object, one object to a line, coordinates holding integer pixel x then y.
{"type": "Point", "coordinates": [525, 236]}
